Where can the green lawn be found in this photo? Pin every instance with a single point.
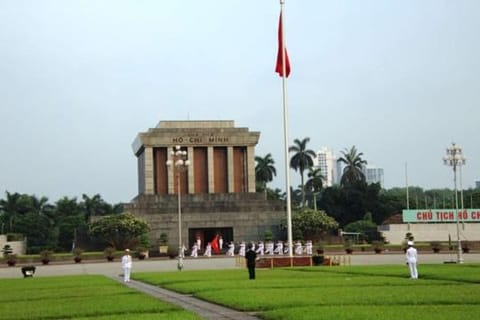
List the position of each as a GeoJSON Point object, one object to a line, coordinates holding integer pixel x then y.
{"type": "Point", "coordinates": [356, 292]}
{"type": "Point", "coordinates": [80, 297]}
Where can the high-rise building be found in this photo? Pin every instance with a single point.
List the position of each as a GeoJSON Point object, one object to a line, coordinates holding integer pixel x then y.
{"type": "Point", "coordinates": [373, 175]}
{"type": "Point", "coordinates": [327, 164]}
{"type": "Point", "coordinates": [339, 171]}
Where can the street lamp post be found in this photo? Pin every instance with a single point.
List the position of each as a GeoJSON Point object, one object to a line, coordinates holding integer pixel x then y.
{"type": "Point", "coordinates": [179, 160]}
{"type": "Point", "coordinates": [455, 159]}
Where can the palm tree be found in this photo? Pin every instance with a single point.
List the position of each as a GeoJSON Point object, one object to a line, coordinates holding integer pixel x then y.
{"type": "Point", "coordinates": [94, 206]}
{"type": "Point", "coordinates": [41, 207]}
{"type": "Point", "coordinates": [265, 171]}
{"type": "Point", "coordinates": [9, 208]}
{"type": "Point", "coordinates": [315, 183]}
{"type": "Point", "coordinates": [276, 194]}
{"type": "Point", "coordinates": [296, 196]}
{"type": "Point", "coordinates": [301, 160]}
{"type": "Point", "coordinates": [352, 172]}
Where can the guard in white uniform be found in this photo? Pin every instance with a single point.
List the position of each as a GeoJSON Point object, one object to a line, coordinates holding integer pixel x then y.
{"type": "Point", "coordinates": [194, 252]}
{"type": "Point", "coordinates": [279, 248]}
{"type": "Point", "coordinates": [298, 248]}
{"type": "Point", "coordinates": [127, 265]}
{"type": "Point", "coordinates": [411, 257]}
{"type": "Point", "coordinates": [269, 248]}
{"type": "Point", "coordinates": [220, 243]}
{"type": "Point", "coordinates": [241, 250]}
{"type": "Point", "coordinates": [231, 249]}
{"type": "Point", "coordinates": [208, 250]}
{"type": "Point", "coordinates": [261, 248]}
{"type": "Point", "coordinates": [309, 247]}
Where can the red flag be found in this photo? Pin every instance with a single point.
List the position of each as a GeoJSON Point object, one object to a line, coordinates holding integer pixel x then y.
{"type": "Point", "coordinates": [214, 244]}
{"type": "Point", "coordinates": [279, 66]}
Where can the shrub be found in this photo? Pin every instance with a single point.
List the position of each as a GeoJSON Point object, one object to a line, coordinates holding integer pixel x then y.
{"type": "Point", "coordinates": [436, 246]}
{"type": "Point", "coordinates": [45, 256]}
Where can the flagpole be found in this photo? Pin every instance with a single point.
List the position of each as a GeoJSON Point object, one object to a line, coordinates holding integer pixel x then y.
{"type": "Point", "coordinates": [285, 130]}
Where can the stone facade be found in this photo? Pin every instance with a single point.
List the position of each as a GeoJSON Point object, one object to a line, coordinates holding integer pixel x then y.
{"type": "Point", "coordinates": [18, 247]}
{"type": "Point", "coordinates": [222, 157]}
{"type": "Point", "coordinates": [217, 189]}
{"type": "Point", "coordinates": [395, 233]}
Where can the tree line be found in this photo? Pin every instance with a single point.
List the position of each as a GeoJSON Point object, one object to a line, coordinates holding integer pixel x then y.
{"type": "Point", "coordinates": [352, 201]}
{"type": "Point", "coordinates": [58, 226]}
{"type": "Point", "coordinates": [353, 205]}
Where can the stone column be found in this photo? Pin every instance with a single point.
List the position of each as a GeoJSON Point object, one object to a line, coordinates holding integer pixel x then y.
{"type": "Point", "coordinates": [211, 185]}
{"type": "Point", "coordinates": [230, 169]}
{"type": "Point", "coordinates": [251, 168]}
{"type": "Point", "coordinates": [170, 169]}
{"type": "Point", "coordinates": [190, 172]}
{"type": "Point", "coordinates": [149, 170]}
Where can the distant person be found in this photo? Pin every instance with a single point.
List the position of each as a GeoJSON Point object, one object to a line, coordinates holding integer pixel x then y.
{"type": "Point", "coordinates": [269, 248]}
{"type": "Point", "coordinates": [309, 247]}
{"type": "Point", "coordinates": [298, 248]}
{"type": "Point", "coordinates": [220, 242]}
{"type": "Point", "coordinates": [411, 257]}
{"type": "Point", "coordinates": [279, 248]}
{"type": "Point", "coordinates": [251, 257]}
{"type": "Point", "coordinates": [194, 252]}
{"type": "Point", "coordinates": [260, 248]}
{"type": "Point", "coordinates": [199, 243]}
{"type": "Point", "coordinates": [231, 249]}
{"type": "Point", "coordinates": [214, 244]}
{"type": "Point", "coordinates": [208, 250]}
{"type": "Point", "coordinates": [126, 265]}
{"type": "Point", "coordinates": [241, 250]}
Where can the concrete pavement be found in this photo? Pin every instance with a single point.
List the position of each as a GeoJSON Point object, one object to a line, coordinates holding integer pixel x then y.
{"type": "Point", "coordinates": [112, 269]}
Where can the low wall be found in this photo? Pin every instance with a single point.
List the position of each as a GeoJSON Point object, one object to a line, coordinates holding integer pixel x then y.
{"type": "Point", "coordinates": [18, 247]}
{"type": "Point", "coordinates": [395, 233]}
{"type": "Point", "coordinates": [296, 261]}
{"type": "Point", "coordinates": [272, 262]}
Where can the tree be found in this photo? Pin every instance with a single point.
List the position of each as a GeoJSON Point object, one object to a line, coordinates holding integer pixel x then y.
{"type": "Point", "coordinates": [38, 230]}
{"type": "Point", "coordinates": [31, 217]}
{"type": "Point", "coordinates": [51, 226]}
{"type": "Point", "coordinates": [119, 231]}
{"type": "Point", "coordinates": [301, 160]}
{"type": "Point", "coordinates": [366, 227]}
{"type": "Point", "coordinates": [296, 197]}
{"type": "Point", "coordinates": [95, 206]}
{"type": "Point", "coordinates": [70, 222]}
{"type": "Point", "coordinates": [315, 183]}
{"type": "Point", "coordinates": [310, 224]}
{"type": "Point", "coordinates": [349, 204]}
{"type": "Point", "coordinates": [352, 173]}
{"type": "Point", "coordinates": [10, 208]}
{"type": "Point", "coordinates": [264, 171]}
{"type": "Point", "coordinates": [276, 194]}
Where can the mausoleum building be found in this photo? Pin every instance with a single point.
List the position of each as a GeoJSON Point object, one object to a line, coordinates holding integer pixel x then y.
{"type": "Point", "coordinates": [217, 187]}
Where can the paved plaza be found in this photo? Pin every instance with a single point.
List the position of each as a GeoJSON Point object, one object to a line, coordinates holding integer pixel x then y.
{"type": "Point", "coordinates": [112, 269]}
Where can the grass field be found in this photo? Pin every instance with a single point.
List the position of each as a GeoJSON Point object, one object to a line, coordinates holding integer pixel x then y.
{"type": "Point", "coordinates": [80, 297]}
{"type": "Point", "coordinates": [357, 292]}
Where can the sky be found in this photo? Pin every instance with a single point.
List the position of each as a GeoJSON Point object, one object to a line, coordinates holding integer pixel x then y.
{"type": "Point", "coordinates": [400, 80]}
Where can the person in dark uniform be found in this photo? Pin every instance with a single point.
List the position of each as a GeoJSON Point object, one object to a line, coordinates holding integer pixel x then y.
{"type": "Point", "coordinates": [251, 257]}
